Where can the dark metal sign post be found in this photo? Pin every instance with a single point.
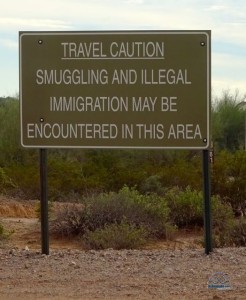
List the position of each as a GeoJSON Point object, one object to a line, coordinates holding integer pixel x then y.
{"type": "Point", "coordinates": [207, 203]}
{"type": "Point", "coordinates": [44, 202]}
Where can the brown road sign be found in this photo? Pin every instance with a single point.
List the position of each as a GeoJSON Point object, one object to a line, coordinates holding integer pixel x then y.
{"type": "Point", "coordinates": [143, 89]}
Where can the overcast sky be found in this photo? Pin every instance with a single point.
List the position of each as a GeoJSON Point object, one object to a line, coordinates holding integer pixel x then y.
{"type": "Point", "coordinates": [226, 19]}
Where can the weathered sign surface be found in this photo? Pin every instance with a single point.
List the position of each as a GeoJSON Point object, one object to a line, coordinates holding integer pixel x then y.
{"type": "Point", "coordinates": [144, 89]}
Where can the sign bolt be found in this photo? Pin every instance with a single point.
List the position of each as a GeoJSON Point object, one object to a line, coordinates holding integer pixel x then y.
{"type": "Point", "coordinates": [41, 119]}
{"type": "Point", "coordinates": [40, 42]}
{"type": "Point", "coordinates": [202, 44]}
{"type": "Point", "coordinates": [204, 140]}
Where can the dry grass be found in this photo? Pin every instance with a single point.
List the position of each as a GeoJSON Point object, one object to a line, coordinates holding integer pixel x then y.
{"type": "Point", "coordinates": [17, 208]}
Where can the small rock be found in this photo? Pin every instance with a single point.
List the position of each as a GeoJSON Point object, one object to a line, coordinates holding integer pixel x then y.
{"type": "Point", "coordinates": [216, 297]}
{"type": "Point", "coordinates": [12, 251]}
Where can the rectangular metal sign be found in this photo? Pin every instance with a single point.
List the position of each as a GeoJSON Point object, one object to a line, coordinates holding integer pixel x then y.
{"type": "Point", "coordinates": [115, 89]}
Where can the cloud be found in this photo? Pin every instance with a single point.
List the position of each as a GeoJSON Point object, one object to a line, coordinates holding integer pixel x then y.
{"type": "Point", "coordinates": [8, 43]}
{"type": "Point", "coordinates": [221, 85]}
{"type": "Point", "coordinates": [234, 65]}
{"type": "Point", "coordinates": [30, 24]}
{"type": "Point", "coordinates": [228, 72]}
{"type": "Point", "coordinates": [134, 1]}
{"type": "Point", "coordinates": [216, 8]}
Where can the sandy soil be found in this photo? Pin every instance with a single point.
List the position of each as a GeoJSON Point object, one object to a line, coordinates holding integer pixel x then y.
{"type": "Point", "coordinates": [177, 270]}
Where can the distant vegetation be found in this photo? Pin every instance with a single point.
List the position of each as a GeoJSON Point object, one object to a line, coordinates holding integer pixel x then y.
{"type": "Point", "coordinates": [176, 176]}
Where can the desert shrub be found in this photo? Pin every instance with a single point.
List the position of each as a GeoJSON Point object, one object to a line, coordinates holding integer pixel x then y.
{"type": "Point", "coordinates": [222, 237]}
{"type": "Point", "coordinates": [70, 220]}
{"type": "Point", "coordinates": [64, 176]}
{"type": "Point", "coordinates": [3, 233]}
{"type": "Point", "coordinates": [228, 179]}
{"type": "Point", "coordinates": [227, 230]}
{"type": "Point", "coordinates": [238, 233]}
{"type": "Point", "coordinates": [26, 179]}
{"type": "Point", "coordinates": [222, 222]}
{"type": "Point", "coordinates": [128, 205]}
{"type": "Point", "coordinates": [150, 211]}
{"type": "Point", "coordinates": [116, 236]}
{"type": "Point", "coordinates": [1, 230]}
{"type": "Point", "coordinates": [222, 214]}
{"type": "Point", "coordinates": [10, 150]}
{"type": "Point", "coordinates": [152, 184]}
{"type": "Point", "coordinates": [5, 181]}
{"type": "Point", "coordinates": [184, 170]}
{"type": "Point", "coordinates": [231, 233]}
{"type": "Point", "coordinates": [228, 121]}
{"type": "Point", "coordinates": [186, 207]}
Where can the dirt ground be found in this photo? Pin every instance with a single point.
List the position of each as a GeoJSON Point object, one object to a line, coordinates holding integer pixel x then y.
{"type": "Point", "coordinates": [164, 270]}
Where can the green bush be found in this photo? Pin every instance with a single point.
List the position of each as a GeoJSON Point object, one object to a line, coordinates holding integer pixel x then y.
{"type": "Point", "coordinates": [1, 230]}
{"type": "Point", "coordinates": [228, 117]}
{"type": "Point", "coordinates": [222, 214]}
{"type": "Point", "coordinates": [26, 179]}
{"type": "Point", "coordinates": [222, 222]}
{"type": "Point", "coordinates": [233, 233]}
{"type": "Point", "coordinates": [116, 236]}
{"type": "Point", "coordinates": [128, 206]}
{"type": "Point", "coordinates": [152, 185]}
{"type": "Point", "coordinates": [238, 233]}
{"type": "Point", "coordinates": [5, 181]}
{"type": "Point", "coordinates": [3, 233]}
{"type": "Point", "coordinates": [70, 220]}
{"type": "Point", "coordinates": [184, 170]}
{"type": "Point", "coordinates": [64, 176]}
{"type": "Point", "coordinates": [10, 150]}
{"type": "Point", "coordinates": [228, 179]}
{"type": "Point", "coordinates": [186, 207]}
{"type": "Point", "coordinates": [150, 211]}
